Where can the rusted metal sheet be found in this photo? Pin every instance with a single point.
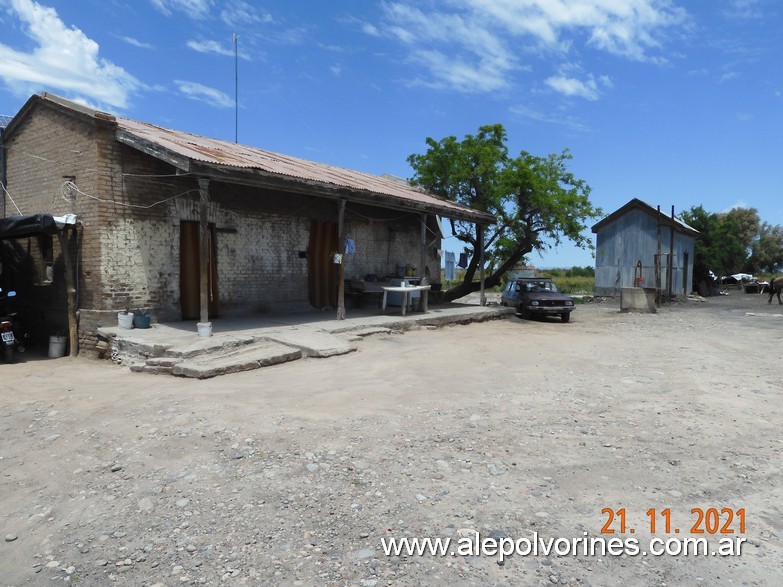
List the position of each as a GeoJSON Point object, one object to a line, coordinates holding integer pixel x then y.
{"type": "Point", "coordinates": [179, 147]}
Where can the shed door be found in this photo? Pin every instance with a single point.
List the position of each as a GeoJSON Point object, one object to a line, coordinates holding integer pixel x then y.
{"type": "Point", "coordinates": [190, 273]}
{"type": "Point", "coordinates": [321, 272]}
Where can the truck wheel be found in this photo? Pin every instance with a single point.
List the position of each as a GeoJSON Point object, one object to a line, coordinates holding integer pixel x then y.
{"type": "Point", "coordinates": [565, 317]}
{"type": "Point", "coordinates": [524, 313]}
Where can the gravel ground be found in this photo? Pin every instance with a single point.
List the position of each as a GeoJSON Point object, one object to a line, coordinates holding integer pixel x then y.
{"type": "Point", "coordinates": [292, 475]}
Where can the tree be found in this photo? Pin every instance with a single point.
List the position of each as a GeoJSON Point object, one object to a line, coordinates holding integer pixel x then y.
{"type": "Point", "coordinates": [537, 202]}
{"type": "Point", "coordinates": [722, 244]}
{"type": "Point", "coordinates": [767, 249]}
{"type": "Point", "coordinates": [734, 241]}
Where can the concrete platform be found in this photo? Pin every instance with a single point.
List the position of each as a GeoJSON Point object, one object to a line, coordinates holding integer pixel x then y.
{"type": "Point", "coordinates": [250, 342]}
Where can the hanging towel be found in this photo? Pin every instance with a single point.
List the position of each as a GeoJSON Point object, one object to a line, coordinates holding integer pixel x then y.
{"type": "Point", "coordinates": [450, 259]}
{"type": "Point", "coordinates": [463, 260]}
{"type": "Point", "coordinates": [350, 246]}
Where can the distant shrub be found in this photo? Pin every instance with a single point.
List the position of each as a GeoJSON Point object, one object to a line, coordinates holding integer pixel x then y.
{"type": "Point", "coordinates": [586, 271]}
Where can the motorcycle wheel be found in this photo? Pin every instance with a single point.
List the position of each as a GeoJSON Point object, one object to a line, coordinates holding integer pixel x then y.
{"type": "Point", "coordinates": [9, 354]}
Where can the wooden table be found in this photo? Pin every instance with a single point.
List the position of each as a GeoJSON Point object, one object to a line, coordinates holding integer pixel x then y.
{"type": "Point", "coordinates": [424, 289]}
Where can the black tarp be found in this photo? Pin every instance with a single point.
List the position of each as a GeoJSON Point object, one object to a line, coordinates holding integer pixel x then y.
{"type": "Point", "coordinates": [21, 226]}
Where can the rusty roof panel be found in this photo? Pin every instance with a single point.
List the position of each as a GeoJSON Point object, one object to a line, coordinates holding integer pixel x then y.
{"type": "Point", "coordinates": [224, 153]}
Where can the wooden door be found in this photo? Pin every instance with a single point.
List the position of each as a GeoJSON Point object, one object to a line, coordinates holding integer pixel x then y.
{"type": "Point", "coordinates": [190, 272]}
{"type": "Point", "coordinates": [321, 271]}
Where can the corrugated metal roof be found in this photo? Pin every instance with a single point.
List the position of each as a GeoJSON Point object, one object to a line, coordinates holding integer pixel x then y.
{"type": "Point", "coordinates": [651, 210]}
{"type": "Point", "coordinates": [227, 154]}
{"type": "Point", "coordinates": [4, 120]}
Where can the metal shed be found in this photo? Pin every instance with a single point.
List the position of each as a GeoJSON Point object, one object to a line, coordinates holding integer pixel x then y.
{"type": "Point", "coordinates": [638, 245]}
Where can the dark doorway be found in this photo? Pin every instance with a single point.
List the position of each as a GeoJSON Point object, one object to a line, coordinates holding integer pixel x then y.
{"type": "Point", "coordinates": [321, 271]}
{"type": "Point", "coordinates": [190, 272]}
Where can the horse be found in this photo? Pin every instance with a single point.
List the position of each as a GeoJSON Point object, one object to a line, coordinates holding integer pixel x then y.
{"type": "Point", "coordinates": [775, 287]}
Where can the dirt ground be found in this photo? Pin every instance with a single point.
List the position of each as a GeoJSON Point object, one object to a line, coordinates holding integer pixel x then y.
{"type": "Point", "coordinates": [292, 475]}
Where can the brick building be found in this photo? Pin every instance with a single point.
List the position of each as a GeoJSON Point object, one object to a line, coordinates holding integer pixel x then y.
{"type": "Point", "coordinates": [154, 206]}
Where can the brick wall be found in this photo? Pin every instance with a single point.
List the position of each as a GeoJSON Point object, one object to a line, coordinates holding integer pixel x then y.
{"type": "Point", "coordinates": [45, 151]}
{"type": "Point", "coordinates": [131, 207]}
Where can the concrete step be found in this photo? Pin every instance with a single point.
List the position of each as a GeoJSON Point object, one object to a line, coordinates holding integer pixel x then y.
{"type": "Point", "coordinates": [207, 345]}
{"type": "Point", "coordinates": [150, 369]}
{"type": "Point", "coordinates": [244, 358]}
{"type": "Point", "coordinates": [314, 342]}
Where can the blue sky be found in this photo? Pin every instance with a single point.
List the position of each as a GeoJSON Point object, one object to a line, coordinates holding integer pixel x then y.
{"type": "Point", "coordinates": [674, 102]}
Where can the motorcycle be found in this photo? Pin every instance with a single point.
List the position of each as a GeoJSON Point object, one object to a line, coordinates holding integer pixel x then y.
{"type": "Point", "coordinates": [10, 343]}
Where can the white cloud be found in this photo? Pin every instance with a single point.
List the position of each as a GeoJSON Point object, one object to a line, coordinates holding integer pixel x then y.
{"type": "Point", "coordinates": [728, 76]}
{"type": "Point", "coordinates": [570, 86]}
{"type": "Point", "coordinates": [486, 40]}
{"type": "Point", "coordinates": [622, 27]}
{"type": "Point", "coordinates": [336, 69]}
{"type": "Point", "coordinates": [137, 43]}
{"type": "Point", "coordinates": [210, 47]}
{"type": "Point", "coordinates": [241, 13]}
{"type": "Point", "coordinates": [746, 9]}
{"type": "Point", "coordinates": [571, 82]}
{"type": "Point", "coordinates": [192, 8]}
{"type": "Point", "coordinates": [370, 29]}
{"type": "Point", "coordinates": [738, 205]}
{"type": "Point", "coordinates": [457, 53]}
{"type": "Point", "coordinates": [64, 59]}
{"type": "Point", "coordinates": [550, 118]}
{"type": "Point", "coordinates": [202, 93]}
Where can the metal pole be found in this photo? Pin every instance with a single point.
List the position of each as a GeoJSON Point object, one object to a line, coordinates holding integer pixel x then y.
{"type": "Point", "coordinates": [236, 89]}
{"type": "Point", "coordinates": [658, 262]}
{"type": "Point", "coordinates": [670, 269]}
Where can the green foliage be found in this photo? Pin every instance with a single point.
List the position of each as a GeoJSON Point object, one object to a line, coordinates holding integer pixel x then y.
{"type": "Point", "coordinates": [767, 250]}
{"type": "Point", "coordinates": [586, 271]}
{"type": "Point", "coordinates": [734, 241]}
{"type": "Point", "coordinates": [571, 284]}
{"type": "Point", "coordinates": [536, 200]}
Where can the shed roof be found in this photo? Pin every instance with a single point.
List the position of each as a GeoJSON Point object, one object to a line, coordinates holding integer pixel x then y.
{"type": "Point", "coordinates": [226, 161]}
{"type": "Point", "coordinates": [636, 203]}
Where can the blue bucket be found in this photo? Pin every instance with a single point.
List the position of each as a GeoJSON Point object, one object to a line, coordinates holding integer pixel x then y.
{"type": "Point", "coordinates": [142, 320]}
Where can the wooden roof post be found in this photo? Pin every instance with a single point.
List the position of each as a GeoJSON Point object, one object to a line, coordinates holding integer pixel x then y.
{"type": "Point", "coordinates": [423, 249]}
{"type": "Point", "coordinates": [341, 266]}
{"type": "Point", "coordinates": [70, 289]}
{"type": "Point", "coordinates": [203, 261]}
{"type": "Point", "coordinates": [480, 238]}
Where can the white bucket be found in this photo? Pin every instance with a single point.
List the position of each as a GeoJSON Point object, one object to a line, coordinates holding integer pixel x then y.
{"type": "Point", "coordinates": [204, 328]}
{"type": "Point", "coordinates": [125, 320]}
{"type": "Point", "coordinates": [57, 346]}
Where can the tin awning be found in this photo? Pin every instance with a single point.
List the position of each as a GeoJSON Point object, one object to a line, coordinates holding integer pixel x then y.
{"type": "Point", "coordinates": [22, 226]}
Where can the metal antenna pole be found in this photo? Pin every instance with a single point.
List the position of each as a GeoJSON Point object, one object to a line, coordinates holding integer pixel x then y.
{"type": "Point", "coordinates": [236, 90]}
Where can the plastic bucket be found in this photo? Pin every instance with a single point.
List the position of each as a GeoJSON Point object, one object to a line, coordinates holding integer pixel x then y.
{"type": "Point", "coordinates": [204, 328]}
{"type": "Point", "coordinates": [125, 320]}
{"type": "Point", "coordinates": [57, 346]}
{"type": "Point", "coordinates": [142, 321]}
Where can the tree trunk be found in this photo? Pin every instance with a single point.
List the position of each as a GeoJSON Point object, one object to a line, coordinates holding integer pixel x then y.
{"type": "Point", "coordinates": [469, 286]}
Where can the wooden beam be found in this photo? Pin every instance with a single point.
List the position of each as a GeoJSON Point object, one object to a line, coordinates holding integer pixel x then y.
{"type": "Point", "coordinates": [341, 266]}
{"type": "Point", "coordinates": [480, 237]}
{"type": "Point", "coordinates": [423, 247]}
{"type": "Point", "coordinates": [203, 189]}
{"type": "Point", "coordinates": [70, 291]}
{"type": "Point", "coordinates": [153, 149]}
{"type": "Point", "coordinates": [256, 178]}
